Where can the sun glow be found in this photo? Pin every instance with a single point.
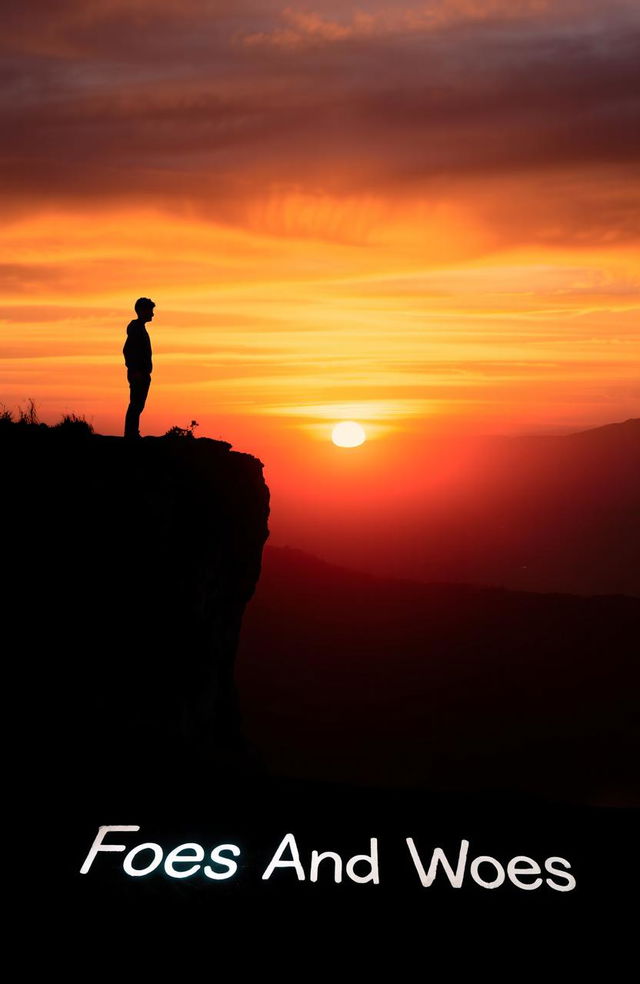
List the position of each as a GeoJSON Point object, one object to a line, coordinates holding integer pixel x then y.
{"type": "Point", "coordinates": [348, 434]}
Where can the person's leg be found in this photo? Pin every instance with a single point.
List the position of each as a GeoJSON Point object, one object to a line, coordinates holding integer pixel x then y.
{"type": "Point", "coordinates": [138, 390]}
{"type": "Point", "coordinates": [143, 392]}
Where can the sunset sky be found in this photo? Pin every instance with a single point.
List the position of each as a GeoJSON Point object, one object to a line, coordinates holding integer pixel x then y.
{"type": "Point", "coordinates": [420, 216]}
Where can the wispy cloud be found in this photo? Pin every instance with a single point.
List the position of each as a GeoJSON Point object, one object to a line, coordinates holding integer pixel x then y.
{"type": "Point", "coordinates": [351, 187]}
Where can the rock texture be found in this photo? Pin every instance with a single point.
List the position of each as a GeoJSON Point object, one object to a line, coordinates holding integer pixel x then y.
{"type": "Point", "coordinates": [126, 577]}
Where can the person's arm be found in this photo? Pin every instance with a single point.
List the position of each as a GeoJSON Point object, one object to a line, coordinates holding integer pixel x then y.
{"type": "Point", "coordinates": [136, 356]}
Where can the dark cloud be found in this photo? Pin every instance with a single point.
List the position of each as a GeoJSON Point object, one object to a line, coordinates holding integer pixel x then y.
{"type": "Point", "coordinates": [186, 104]}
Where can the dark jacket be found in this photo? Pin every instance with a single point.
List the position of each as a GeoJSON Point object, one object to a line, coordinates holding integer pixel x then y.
{"type": "Point", "coordinates": [137, 348]}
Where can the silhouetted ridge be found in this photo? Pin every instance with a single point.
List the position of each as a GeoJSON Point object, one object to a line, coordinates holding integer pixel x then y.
{"type": "Point", "coordinates": [449, 686]}
{"type": "Point", "coordinates": [627, 430]}
{"type": "Point", "coordinates": [128, 576]}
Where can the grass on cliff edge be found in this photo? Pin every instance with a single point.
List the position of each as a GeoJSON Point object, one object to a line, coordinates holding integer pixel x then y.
{"type": "Point", "coordinates": [72, 423]}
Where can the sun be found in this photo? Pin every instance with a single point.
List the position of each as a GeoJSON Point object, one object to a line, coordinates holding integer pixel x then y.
{"type": "Point", "coordinates": [348, 434]}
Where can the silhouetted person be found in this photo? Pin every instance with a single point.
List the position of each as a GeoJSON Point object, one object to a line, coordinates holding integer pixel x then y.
{"type": "Point", "coordinates": [137, 358]}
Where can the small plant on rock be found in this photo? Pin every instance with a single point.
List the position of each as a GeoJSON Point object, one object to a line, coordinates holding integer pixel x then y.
{"type": "Point", "coordinates": [187, 432]}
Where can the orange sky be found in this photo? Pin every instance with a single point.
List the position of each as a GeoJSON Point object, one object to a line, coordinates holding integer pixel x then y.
{"type": "Point", "coordinates": [421, 216]}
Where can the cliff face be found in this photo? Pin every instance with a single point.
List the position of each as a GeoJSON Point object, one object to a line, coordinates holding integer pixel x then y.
{"type": "Point", "coordinates": [126, 580]}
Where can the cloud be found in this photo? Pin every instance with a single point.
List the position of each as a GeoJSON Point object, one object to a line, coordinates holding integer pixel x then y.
{"type": "Point", "coordinates": [310, 27]}
{"type": "Point", "coordinates": [178, 107]}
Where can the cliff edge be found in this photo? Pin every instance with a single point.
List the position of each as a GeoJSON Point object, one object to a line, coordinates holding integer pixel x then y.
{"type": "Point", "coordinates": [126, 574]}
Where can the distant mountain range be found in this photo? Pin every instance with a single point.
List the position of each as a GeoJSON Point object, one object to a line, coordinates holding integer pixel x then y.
{"type": "Point", "coordinates": [345, 676]}
{"type": "Point", "coordinates": [530, 513]}
{"type": "Point", "coordinates": [545, 514]}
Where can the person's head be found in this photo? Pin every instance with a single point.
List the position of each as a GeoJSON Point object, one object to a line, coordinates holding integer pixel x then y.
{"type": "Point", "coordinates": [144, 308]}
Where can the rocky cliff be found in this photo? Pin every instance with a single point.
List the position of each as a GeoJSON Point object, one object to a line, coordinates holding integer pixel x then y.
{"type": "Point", "coordinates": [127, 567]}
